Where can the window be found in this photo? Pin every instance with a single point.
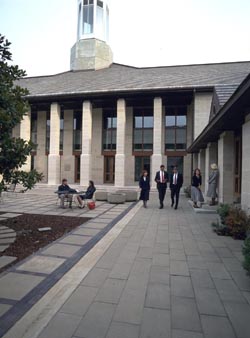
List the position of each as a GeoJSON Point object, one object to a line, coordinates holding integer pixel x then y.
{"type": "Point", "coordinates": [79, 20]}
{"type": "Point", "coordinates": [143, 130]}
{"type": "Point", "coordinates": [88, 16]}
{"type": "Point", "coordinates": [141, 163]}
{"type": "Point", "coordinates": [175, 161]}
{"type": "Point", "coordinates": [175, 129]}
{"type": "Point", "coordinates": [109, 130]}
{"type": "Point", "coordinates": [77, 131]}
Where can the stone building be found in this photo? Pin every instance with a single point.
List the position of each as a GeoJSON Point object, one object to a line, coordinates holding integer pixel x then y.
{"type": "Point", "coordinates": [106, 121]}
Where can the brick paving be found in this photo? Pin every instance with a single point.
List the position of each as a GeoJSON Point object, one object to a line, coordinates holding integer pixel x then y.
{"type": "Point", "coordinates": [163, 274]}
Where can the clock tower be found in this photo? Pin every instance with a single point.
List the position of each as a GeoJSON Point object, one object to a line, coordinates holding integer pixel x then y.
{"type": "Point", "coordinates": [91, 51]}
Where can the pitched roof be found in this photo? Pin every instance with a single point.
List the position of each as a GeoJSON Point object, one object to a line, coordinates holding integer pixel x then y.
{"type": "Point", "coordinates": [120, 78]}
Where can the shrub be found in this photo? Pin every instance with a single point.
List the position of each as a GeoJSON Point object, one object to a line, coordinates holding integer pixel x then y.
{"type": "Point", "coordinates": [246, 253]}
{"type": "Point", "coordinates": [223, 211]}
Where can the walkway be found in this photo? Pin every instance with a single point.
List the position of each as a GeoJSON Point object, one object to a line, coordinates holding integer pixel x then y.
{"type": "Point", "coordinates": [156, 273]}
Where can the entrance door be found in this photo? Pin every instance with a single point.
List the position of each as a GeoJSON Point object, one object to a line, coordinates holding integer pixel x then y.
{"type": "Point", "coordinates": [141, 163]}
{"type": "Point", "coordinates": [109, 169]}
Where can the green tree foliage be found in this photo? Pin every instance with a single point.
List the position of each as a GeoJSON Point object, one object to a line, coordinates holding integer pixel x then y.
{"type": "Point", "coordinates": [13, 106]}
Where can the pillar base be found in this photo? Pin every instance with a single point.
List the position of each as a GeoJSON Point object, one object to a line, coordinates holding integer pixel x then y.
{"type": "Point", "coordinates": [54, 164]}
{"type": "Point", "coordinates": [120, 170]}
{"type": "Point", "coordinates": [85, 175]}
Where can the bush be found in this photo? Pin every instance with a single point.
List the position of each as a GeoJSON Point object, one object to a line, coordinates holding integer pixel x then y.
{"type": "Point", "coordinates": [234, 222]}
{"type": "Point", "coordinates": [246, 253]}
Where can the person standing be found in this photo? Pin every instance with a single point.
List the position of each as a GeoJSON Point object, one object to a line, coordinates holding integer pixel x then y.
{"type": "Point", "coordinates": [212, 183]}
{"type": "Point", "coordinates": [196, 193]}
{"type": "Point", "coordinates": [176, 181]}
{"type": "Point", "coordinates": [161, 178]}
{"type": "Point", "coordinates": [145, 188]}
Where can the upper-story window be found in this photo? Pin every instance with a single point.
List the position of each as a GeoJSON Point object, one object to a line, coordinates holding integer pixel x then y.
{"type": "Point", "coordinates": [109, 130]}
{"type": "Point", "coordinates": [88, 16]}
{"type": "Point", "coordinates": [143, 130]}
{"type": "Point", "coordinates": [176, 128]}
{"type": "Point", "coordinates": [99, 20]}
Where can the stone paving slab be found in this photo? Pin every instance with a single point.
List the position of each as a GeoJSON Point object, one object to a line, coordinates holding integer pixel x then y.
{"type": "Point", "coordinates": [41, 264]}
{"type": "Point", "coordinates": [62, 250]}
{"type": "Point", "coordinates": [5, 260]}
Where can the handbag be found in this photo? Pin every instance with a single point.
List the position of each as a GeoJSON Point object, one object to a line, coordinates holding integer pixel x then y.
{"type": "Point", "coordinates": [91, 205]}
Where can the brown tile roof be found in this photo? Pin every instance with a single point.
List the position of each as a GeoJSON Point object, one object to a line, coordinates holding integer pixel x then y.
{"type": "Point", "coordinates": [121, 78]}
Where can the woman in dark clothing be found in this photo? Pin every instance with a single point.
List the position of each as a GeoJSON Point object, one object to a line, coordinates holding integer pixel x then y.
{"type": "Point", "coordinates": [145, 188]}
{"type": "Point", "coordinates": [196, 193]}
{"type": "Point", "coordinates": [88, 194]}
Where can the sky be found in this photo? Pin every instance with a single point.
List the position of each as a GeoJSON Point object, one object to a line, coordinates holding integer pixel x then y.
{"type": "Point", "coordinates": [143, 33]}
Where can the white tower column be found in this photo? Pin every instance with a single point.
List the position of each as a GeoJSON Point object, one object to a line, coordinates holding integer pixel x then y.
{"type": "Point", "coordinates": [54, 155]}
{"type": "Point", "coordinates": [86, 156]}
{"type": "Point", "coordinates": [120, 144]}
{"type": "Point", "coordinates": [25, 126]}
{"type": "Point", "coordinates": [157, 157]}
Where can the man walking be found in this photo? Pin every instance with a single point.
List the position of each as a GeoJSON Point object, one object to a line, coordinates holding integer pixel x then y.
{"type": "Point", "coordinates": [176, 181]}
{"type": "Point", "coordinates": [161, 178]}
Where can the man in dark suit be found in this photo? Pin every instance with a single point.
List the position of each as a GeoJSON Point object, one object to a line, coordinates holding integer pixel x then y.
{"type": "Point", "coordinates": [176, 181]}
{"type": "Point", "coordinates": [161, 178]}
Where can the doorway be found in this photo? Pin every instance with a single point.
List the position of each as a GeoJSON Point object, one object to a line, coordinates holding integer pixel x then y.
{"type": "Point", "coordinates": [109, 169]}
{"type": "Point", "coordinates": [77, 168]}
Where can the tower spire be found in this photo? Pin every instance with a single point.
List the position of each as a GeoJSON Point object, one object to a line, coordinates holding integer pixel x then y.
{"type": "Point", "coordinates": [91, 51]}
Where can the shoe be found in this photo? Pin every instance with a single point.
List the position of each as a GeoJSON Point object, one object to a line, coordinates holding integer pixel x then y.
{"type": "Point", "coordinates": [70, 206]}
{"type": "Point", "coordinates": [176, 207]}
{"type": "Point", "coordinates": [63, 207]}
{"type": "Point", "coordinates": [81, 206]}
{"type": "Point", "coordinates": [172, 205]}
{"type": "Point", "coordinates": [161, 207]}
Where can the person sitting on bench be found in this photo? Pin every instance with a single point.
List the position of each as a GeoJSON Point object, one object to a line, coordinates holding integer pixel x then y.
{"type": "Point", "coordinates": [88, 194]}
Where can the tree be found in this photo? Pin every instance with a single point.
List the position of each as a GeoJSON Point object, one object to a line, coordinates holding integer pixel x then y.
{"type": "Point", "coordinates": [13, 107]}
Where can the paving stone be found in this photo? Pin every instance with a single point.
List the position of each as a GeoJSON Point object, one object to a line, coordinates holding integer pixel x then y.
{"type": "Point", "coordinates": [8, 235]}
{"type": "Point", "coordinates": [41, 264]}
{"type": "Point", "coordinates": [217, 327]}
{"type": "Point", "coordinates": [179, 268]}
{"type": "Point", "coordinates": [4, 230]}
{"type": "Point", "coordinates": [208, 302]}
{"type": "Point", "coordinates": [232, 264]}
{"type": "Point", "coordinates": [217, 270]}
{"type": "Point", "coordinates": [186, 334]}
{"type": "Point", "coordinates": [156, 323]}
{"type": "Point", "coordinates": [196, 262]}
{"type": "Point", "coordinates": [62, 250]}
{"type": "Point", "coordinates": [94, 225]}
{"type": "Point", "coordinates": [111, 291]}
{"type": "Point", "coordinates": [239, 315]}
{"type": "Point", "coordinates": [10, 215]}
{"type": "Point", "coordinates": [184, 314]}
{"type": "Point", "coordinates": [123, 330]}
{"type": "Point", "coordinates": [201, 279]}
{"type": "Point", "coordinates": [181, 286]}
{"type": "Point", "coordinates": [247, 296]}
{"type": "Point", "coordinates": [159, 274]}
{"type": "Point", "coordinates": [62, 326]}
{"type": "Point", "coordinates": [5, 260]}
{"type": "Point", "coordinates": [96, 277]}
{"type": "Point", "coordinates": [161, 248]}
{"type": "Point", "coordinates": [16, 286]}
{"type": "Point", "coordinates": [5, 241]}
{"type": "Point", "coordinates": [158, 296]}
{"type": "Point", "coordinates": [121, 270]}
{"type": "Point", "coordinates": [178, 255]}
{"type": "Point", "coordinates": [74, 239]}
{"type": "Point", "coordinates": [176, 245]}
{"type": "Point", "coordinates": [96, 321]}
{"type": "Point", "coordinates": [4, 308]}
{"type": "Point", "coordinates": [80, 300]}
{"type": "Point", "coordinates": [145, 252]}
{"type": "Point", "coordinates": [3, 247]}
{"type": "Point", "coordinates": [228, 291]}
{"type": "Point", "coordinates": [160, 259]}
{"type": "Point", "coordinates": [241, 279]}
{"type": "Point", "coordinates": [86, 232]}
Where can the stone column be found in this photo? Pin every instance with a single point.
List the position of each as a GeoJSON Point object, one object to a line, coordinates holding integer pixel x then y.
{"type": "Point", "coordinates": [41, 159]}
{"type": "Point", "coordinates": [86, 156]}
{"type": "Point", "coordinates": [157, 157]}
{"type": "Point", "coordinates": [68, 160]}
{"type": "Point", "coordinates": [226, 167]}
{"type": "Point", "coordinates": [54, 156]}
{"type": "Point", "coordinates": [245, 178]}
{"type": "Point", "coordinates": [211, 157]}
{"type": "Point", "coordinates": [130, 160]}
{"type": "Point", "coordinates": [120, 156]}
{"type": "Point", "coordinates": [97, 157]}
{"type": "Point", "coordinates": [195, 161]}
{"type": "Point", "coordinates": [201, 166]}
{"type": "Point", "coordinates": [25, 126]}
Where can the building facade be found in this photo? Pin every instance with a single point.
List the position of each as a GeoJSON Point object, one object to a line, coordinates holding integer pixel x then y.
{"type": "Point", "coordinates": [107, 122]}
